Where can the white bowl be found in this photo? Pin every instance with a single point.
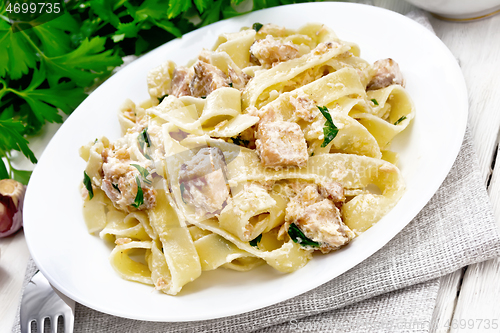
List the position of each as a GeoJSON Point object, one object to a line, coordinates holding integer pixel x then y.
{"type": "Point", "coordinates": [461, 10]}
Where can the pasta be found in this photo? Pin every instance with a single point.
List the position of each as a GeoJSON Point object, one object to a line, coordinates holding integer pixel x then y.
{"type": "Point", "coordinates": [270, 146]}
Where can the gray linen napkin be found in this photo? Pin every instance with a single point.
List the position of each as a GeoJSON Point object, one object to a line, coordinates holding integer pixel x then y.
{"type": "Point", "coordinates": [394, 290]}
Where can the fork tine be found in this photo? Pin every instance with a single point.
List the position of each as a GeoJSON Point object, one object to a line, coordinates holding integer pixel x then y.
{"type": "Point", "coordinates": [40, 325]}
{"type": "Point", "coordinates": [54, 323]}
{"type": "Point", "coordinates": [25, 324]}
{"type": "Point", "coordinates": [68, 321]}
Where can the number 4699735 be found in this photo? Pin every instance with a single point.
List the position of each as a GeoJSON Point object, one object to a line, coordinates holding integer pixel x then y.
{"type": "Point", "coordinates": [473, 324]}
{"type": "Point", "coordinates": [33, 7]}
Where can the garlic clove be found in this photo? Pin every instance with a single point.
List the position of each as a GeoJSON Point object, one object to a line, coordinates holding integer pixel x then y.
{"type": "Point", "coordinates": [11, 206]}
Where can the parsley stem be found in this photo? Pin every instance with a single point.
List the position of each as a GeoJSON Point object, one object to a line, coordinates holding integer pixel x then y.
{"type": "Point", "coordinates": [4, 89]}
{"type": "Point", "coordinates": [40, 52]}
{"type": "Point", "coordinates": [119, 4]}
{"type": "Point", "coordinates": [6, 19]}
{"type": "Point", "coordinates": [6, 155]}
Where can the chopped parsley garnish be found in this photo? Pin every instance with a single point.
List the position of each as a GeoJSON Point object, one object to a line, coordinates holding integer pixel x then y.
{"type": "Point", "coordinates": [374, 101]}
{"type": "Point", "coordinates": [298, 236]}
{"type": "Point", "coordinates": [257, 26]}
{"type": "Point", "coordinates": [143, 171]}
{"type": "Point", "coordinates": [203, 97]}
{"type": "Point", "coordinates": [312, 154]}
{"type": "Point", "coordinates": [115, 186]}
{"type": "Point", "coordinates": [400, 120]}
{"type": "Point", "coordinates": [139, 198]}
{"type": "Point", "coordinates": [330, 130]}
{"type": "Point", "coordinates": [145, 137]}
{"type": "Point", "coordinates": [88, 185]}
{"type": "Point", "coordinates": [143, 140]}
{"type": "Point", "coordinates": [240, 142]}
{"type": "Point", "coordinates": [231, 84]}
{"type": "Point", "coordinates": [160, 99]}
{"type": "Point", "coordinates": [255, 241]}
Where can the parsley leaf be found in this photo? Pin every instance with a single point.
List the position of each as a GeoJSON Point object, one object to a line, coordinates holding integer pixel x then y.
{"type": "Point", "coordinates": [44, 103]}
{"type": "Point", "coordinates": [374, 101]}
{"type": "Point", "coordinates": [143, 171]}
{"type": "Point", "coordinates": [55, 35]}
{"type": "Point", "coordinates": [239, 141]}
{"type": "Point", "coordinates": [145, 135]}
{"type": "Point", "coordinates": [201, 5]}
{"type": "Point", "coordinates": [22, 176]}
{"type": "Point", "coordinates": [255, 241]}
{"type": "Point", "coordinates": [330, 130]}
{"type": "Point", "coordinates": [160, 99]}
{"type": "Point", "coordinates": [115, 186]}
{"type": "Point", "coordinates": [16, 53]}
{"type": "Point", "coordinates": [177, 7]}
{"type": "Point", "coordinates": [139, 198]}
{"type": "Point", "coordinates": [257, 26]}
{"type": "Point", "coordinates": [3, 170]}
{"type": "Point", "coordinates": [83, 65]}
{"type": "Point", "coordinates": [143, 140]}
{"type": "Point", "coordinates": [298, 236]}
{"type": "Point", "coordinates": [11, 138]}
{"type": "Point", "coordinates": [212, 14]}
{"type": "Point", "coordinates": [88, 185]}
{"type": "Point", "coordinates": [400, 120]}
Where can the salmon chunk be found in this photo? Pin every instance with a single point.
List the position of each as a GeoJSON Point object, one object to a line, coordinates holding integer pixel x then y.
{"type": "Point", "coordinates": [305, 108]}
{"type": "Point", "coordinates": [206, 79]}
{"type": "Point", "coordinates": [280, 144]}
{"type": "Point", "coordinates": [318, 218]}
{"type": "Point", "coordinates": [181, 79]}
{"type": "Point", "coordinates": [269, 52]}
{"type": "Point", "coordinates": [332, 190]}
{"type": "Point", "coordinates": [203, 182]}
{"type": "Point", "coordinates": [119, 182]}
{"type": "Point", "coordinates": [387, 73]}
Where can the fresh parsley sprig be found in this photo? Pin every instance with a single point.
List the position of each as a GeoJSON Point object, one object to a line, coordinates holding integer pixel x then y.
{"type": "Point", "coordinates": [330, 130]}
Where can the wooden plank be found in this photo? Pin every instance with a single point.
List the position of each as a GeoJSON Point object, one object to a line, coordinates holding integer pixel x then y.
{"type": "Point", "coordinates": [478, 306]}
{"type": "Point", "coordinates": [449, 286]}
{"type": "Point", "coordinates": [14, 256]}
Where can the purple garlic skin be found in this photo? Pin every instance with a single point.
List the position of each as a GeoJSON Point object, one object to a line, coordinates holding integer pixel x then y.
{"type": "Point", "coordinates": [11, 206]}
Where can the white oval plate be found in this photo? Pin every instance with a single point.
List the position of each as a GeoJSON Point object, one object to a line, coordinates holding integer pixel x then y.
{"type": "Point", "coordinates": [77, 264]}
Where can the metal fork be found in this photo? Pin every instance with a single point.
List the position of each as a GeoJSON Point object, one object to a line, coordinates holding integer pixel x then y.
{"type": "Point", "coordinates": [40, 302]}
